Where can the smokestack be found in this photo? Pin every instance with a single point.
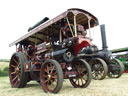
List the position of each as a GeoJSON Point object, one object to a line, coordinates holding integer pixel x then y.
{"type": "Point", "coordinates": [39, 23]}
{"type": "Point", "coordinates": [103, 36]}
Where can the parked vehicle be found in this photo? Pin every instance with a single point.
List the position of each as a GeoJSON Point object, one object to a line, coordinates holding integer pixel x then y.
{"type": "Point", "coordinates": [122, 55]}
{"type": "Point", "coordinates": [58, 49]}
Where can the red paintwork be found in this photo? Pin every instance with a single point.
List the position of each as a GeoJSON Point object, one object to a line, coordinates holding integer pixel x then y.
{"type": "Point", "coordinates": [42, 78]}
{"type": "Point", "coordinates": [82, 42]}
{"type": "Point", "coordinates": [125, 71]}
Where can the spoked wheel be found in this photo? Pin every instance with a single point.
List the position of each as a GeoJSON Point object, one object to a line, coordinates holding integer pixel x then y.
{"type": "Point", "coordinates": [117, 69]}
{"type": "Point", "coordinates": [99, 68]}
{"type": "Point", "coordinates": [18, 78]}
{"type": "Point", "coordinates": [51, 76]}
{"type": "Point", "coordinates": [83, 77]}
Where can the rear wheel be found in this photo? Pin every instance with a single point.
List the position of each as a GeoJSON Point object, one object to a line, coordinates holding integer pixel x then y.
{"type": "Point", "coordinates": [83, 77]}
{"type": "Point", "coordinates": [118, 70]}
{"type": "Point", "coordinates": [99, 68]}
{"type": "Point", "coordinates": [18, 78]}
{"type": "Point", "coordinates": [51, 76]}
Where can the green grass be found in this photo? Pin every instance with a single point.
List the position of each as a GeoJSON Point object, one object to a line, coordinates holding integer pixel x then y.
{"type": "Point", "coordinates": [4, 60]}
{"type": "Point", "coordinates": [106, 87]}
{"type": "Point", "coordinates": [4, 67]}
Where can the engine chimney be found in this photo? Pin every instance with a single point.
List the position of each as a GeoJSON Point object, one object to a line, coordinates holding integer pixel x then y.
{"type": "Point", "coordinates": [39, 23]}
{"type": "Point", "coordinates": [103, 36]}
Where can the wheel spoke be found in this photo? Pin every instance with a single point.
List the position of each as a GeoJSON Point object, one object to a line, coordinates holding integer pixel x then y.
{"type": "Point", "coordinates": [15, 61]}
{"type": "Point", "coordinates": [54, 77]}
{"type": "Point", "coordinates": [53, 74]}
{"type": "Point", "coordinates": [46, 70]}
{"type": "Point", "coordinates": [19, 66]}
{"type": "Point", "coordinates": [52, 69]}
{"type": "Point", "coordinates": [84, 79]}
{"type": "Point", "coordinates": [45, 76]}
{"type": "Point", "coordinates": [15, 78]}
{"type": "Point", "coordinates": [101, 73]}
{"type": "Point", "coordinates": [83, 70]}
{"type": "Point", "coordinates": [13, 73]}
{"type": "Point", "coordinates": [16, 82]}
{"type": "Point", "coordinates": [47, 83]}
{"type": "Point", "coordinates": [78, 82]}
{"type": "Point", "coordinates": [46, 80]}
{"type": "Point", "coordinates": [81, 81]}
{"type": "Point", "coordinates": [13, 66]}
{"type": "Point", "coordinates": [52, 85]}
{"type": "Point", "coordinates": [93, 72]}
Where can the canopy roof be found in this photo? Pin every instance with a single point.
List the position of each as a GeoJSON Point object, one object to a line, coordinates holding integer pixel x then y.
{"type": "Point", "coordinates": [120, 50]}
{"type": "Point", "coordinates": [50, 28]}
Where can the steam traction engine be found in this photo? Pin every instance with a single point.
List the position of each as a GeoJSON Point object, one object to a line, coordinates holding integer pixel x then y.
{"type": "Point", "coordinates": [102, 61]}
{"type": "Point", "coordinates": [58, 49]}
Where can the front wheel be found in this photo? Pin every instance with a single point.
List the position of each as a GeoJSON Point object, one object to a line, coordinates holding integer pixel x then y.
{"type": "Point", "coordinates": [83, 71]}
{"type": "Point", "coordinates": [51, 76]}
{"type": "Point", "coordinates": [99, 68]}
{"type": "Point", "coordinates": [18, 78]}
{"type": "Point", "coordinates": [117, 69]}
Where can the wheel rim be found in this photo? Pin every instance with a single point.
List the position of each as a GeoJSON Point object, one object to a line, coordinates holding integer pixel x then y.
{"type": "Point", "coordinates": [49, 77]}
{"type": "Point", "coordinates": [82, 79]}
{"type": "Point", "coordinates": [99, 69]}
{"type": "Point", "coordinates": [14, 71]}
{"type": "Point", "coordinates": [118, 72]}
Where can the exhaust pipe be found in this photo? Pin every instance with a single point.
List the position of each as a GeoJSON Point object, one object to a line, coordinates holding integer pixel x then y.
{"type": "Point", "coordinates": [39, 23]}
{"type": "Point", "coordinates": [103, 36]}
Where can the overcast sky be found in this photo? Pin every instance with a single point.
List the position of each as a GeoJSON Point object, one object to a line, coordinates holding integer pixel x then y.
{"type": "Point", "coordinates": [16, 16]}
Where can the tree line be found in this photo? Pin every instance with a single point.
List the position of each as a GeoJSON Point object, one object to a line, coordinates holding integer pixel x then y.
{"type": "Point", "coordinates": [4, 60]}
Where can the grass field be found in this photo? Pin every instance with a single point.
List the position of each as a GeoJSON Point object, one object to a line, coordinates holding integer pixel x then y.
{"type": "Point", "coordinates": [4, 65]}
{"type": "Point", "coordinates": [4, 68]}
{"type": "Point", "coordinates": [106, 87]}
